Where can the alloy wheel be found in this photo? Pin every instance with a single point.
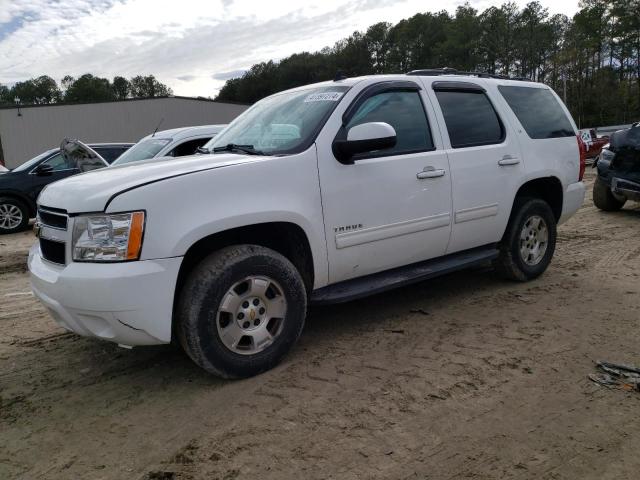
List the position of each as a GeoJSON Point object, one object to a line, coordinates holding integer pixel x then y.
{"type": "Point", "coordinates": [251, 315]}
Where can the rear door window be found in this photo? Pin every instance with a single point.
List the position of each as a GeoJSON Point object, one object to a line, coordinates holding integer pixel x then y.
{"type": "Point", "coordinates": [110, 153]}
{"type": "Point", "coordinates": [539, 112]}
{"type": "Point", "coordinates": [470, 118]}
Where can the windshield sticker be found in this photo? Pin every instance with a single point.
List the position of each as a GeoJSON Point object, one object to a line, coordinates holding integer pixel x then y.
{"type": "Point", "coordinates": [323, 97]}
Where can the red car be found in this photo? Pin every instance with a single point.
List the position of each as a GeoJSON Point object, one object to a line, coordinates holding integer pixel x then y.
{"type": "Point", "coordinates": [592, 142]}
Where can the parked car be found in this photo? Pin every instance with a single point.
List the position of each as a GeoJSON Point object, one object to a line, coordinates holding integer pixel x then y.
{"type": "Point", "coordinates": [592, 141]}
{"type": "Point", "coordinates": [321, 194]}
{"type": "Point", "coordinates": [19, 188]}
{"type": "Point", "coordinates": [618, 167]}
{"type": "Point", "coordinates": [177, 142]}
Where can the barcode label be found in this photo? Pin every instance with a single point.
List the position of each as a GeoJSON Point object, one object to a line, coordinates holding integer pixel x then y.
{"type": "Point", "coordinates": [323, 97]}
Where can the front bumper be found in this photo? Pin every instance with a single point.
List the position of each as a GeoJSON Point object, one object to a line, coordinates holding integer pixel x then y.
{"type": "Point", "coordinates": [626, 188]}
{"type": "Point", "coordinates": [128, 303]}
{"type": "Point", "coordinates": [573, 199]}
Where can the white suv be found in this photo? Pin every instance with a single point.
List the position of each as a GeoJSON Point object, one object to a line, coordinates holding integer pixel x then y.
{"type": "Point", "coordinates": [177, 142]}
{"type": "Point", "coordinates": [319, 194]}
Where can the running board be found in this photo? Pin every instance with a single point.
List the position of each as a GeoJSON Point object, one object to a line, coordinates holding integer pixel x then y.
{"type": "Point", "coordinates": [399, 277]}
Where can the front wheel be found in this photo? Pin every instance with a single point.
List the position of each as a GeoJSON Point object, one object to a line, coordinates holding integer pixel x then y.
{"type": "Point", "coordinates": [529, 242]}
{"type": "Point", "coordinates": [241, 310]}
{"type": "Point", "coordinates": [14, 215]}
{"type": "Point", "coordinates": [604, 199]}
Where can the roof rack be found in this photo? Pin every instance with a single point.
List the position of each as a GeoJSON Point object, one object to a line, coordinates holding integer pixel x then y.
{"type": "Point", "coordinates": [433, 72]}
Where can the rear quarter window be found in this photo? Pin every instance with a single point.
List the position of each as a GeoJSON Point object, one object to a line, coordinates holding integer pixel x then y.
{"type": "Point", "coordinates": [539, 112]}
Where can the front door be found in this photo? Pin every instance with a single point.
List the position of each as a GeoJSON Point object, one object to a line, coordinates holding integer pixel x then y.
{"type": "Point", "coordinates": [51, 170]}
{"type": "Point", "coordinates": [390, 207]}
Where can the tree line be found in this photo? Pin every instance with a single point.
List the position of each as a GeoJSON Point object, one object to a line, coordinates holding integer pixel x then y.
{"type": "Point", "coordinates": [591, 60]}
{"type": "Point", "coordinates": [86, 88]}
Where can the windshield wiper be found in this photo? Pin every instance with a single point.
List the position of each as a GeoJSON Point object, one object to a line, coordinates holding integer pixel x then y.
{"type": "Point", "coordinates": [241, 148]}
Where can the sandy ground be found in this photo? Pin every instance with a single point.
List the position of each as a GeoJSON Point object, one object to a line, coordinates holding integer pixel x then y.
{"type": "Point", "coordinates": [466, 376]}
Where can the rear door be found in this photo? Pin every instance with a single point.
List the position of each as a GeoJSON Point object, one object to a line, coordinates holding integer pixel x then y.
{"type": "Point", "coordinates": [485, 162]}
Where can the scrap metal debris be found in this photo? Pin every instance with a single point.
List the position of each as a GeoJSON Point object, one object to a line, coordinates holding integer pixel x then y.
{"type": "Point", "coordinates": [624, 377]}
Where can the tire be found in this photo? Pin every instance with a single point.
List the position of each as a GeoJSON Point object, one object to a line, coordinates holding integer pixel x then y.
{"type": "Point", "coordinates": [603, 197]}
{"type": "Point", "coordinates": [14, 215]}
{"type": "Point", "coordinates": [219, 333]}
{"type": "Point", "coordinates": [511, 262]}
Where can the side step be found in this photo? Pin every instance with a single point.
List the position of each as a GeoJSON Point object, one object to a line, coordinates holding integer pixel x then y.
{"type": "Point", "coordinates": [399, 277]}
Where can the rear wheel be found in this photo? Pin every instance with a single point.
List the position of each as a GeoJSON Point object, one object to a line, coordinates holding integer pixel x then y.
{"type": "Point", "coordinates": [604, 199]}
{"type": "Point", "coordinates": [14, 215]}
{"type": "Point", "coordinates": [529, 242]}
{"type": "Point", "coordinates": [241, 310]}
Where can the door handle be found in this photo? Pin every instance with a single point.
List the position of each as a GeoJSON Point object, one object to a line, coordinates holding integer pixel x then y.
{"type": "Point", "coordinates": [508, 160]}
{"type": "Point", "coordinates": [430, 172]}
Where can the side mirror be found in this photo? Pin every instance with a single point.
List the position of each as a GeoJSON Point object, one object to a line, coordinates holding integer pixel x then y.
{"type": "Point", "coordinates": [43, 170]}
{"type": "Point", "coordinates": [363, 138]}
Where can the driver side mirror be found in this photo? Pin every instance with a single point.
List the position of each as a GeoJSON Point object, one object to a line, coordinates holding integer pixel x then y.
{"type": "Point", "coordinates": [363, 138]}
{"type": "Point", "coordinates": [44, 170]}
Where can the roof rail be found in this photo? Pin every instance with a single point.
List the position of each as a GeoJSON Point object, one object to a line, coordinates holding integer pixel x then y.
{"type": "Point", "coordinates": [433, 72]}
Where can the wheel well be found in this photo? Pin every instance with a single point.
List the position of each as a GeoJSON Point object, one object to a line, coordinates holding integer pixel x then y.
{"type": "Point", "coordinates": [548, 189]}
{"type": "Point", "coordinates": [288, 239]}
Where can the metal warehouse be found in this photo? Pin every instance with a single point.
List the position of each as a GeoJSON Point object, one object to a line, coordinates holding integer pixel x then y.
{"type": "Point", "coordinates": [27, 131]}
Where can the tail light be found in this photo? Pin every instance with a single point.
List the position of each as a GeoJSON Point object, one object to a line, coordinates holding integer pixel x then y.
{"type": "Point", "coordinates": [583, 157]}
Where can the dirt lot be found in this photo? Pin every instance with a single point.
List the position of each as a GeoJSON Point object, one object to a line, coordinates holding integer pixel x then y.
{"type": "Point", "coordinates": [462, 377]}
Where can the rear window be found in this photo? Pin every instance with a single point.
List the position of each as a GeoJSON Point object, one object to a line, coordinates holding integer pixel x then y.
{"type": "Point", "coordinates": [470, 118]}
{"type": "Point", "coordinates": [539, 112]}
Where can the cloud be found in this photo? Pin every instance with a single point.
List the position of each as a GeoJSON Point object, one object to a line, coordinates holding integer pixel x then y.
{"type": "Point", "coordinates": [181, 43]}
{"type": "Point", "coordinates": [228, 75]}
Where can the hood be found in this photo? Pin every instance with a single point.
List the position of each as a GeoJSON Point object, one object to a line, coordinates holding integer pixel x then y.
{"type": "Point", "coordinates": [3, 169]}
{"type": "Point", "coordinates": [90, 192]}
{"type": "Point", "coordinates": [82, 156]}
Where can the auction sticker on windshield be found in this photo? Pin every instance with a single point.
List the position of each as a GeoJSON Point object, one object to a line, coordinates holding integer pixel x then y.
{"type": "Point", "coordinates": [323, 97]}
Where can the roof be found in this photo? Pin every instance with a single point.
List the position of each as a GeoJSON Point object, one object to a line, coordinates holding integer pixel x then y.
{"type": "Point", "coordinates": [63, 104]}
{"type": "Point", "coordinates": [183, 132]}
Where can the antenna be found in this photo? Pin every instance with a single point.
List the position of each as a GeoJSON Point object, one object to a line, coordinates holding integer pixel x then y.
{"type": "Point", "coordinates": [157, 127]}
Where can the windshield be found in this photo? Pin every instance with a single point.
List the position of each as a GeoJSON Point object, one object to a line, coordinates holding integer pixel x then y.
{"type": "Point", "coordinates": [284, 123]}
{"type": "Point", "coordinates": [142, 150]}
{"type": "Point", "coordinates": [33, 162]}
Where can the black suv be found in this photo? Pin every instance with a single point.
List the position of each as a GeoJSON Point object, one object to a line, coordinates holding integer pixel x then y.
{"type": "Point", "coordinates": [20, 187]}
{"type": "Point", "coordinates": [618, 167]}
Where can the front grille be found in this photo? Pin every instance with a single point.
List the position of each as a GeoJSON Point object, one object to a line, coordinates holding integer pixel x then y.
{"type": "Point", "coordinates": [53, 251]}
{"type": "Point", "coordinates": [54, 218]}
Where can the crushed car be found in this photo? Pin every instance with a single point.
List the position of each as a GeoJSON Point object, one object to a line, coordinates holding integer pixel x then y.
{"type": "Point", "coordinates": [618, 167]}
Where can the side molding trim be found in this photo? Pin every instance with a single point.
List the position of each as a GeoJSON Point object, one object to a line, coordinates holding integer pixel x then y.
{"type": "Point", "coordinates": [476, 213]}
{"type": "Point", "coordinates": [373, 234]}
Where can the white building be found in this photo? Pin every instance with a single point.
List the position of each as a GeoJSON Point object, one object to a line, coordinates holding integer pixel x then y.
{"type": "Point", "coordinates": [29, 130]}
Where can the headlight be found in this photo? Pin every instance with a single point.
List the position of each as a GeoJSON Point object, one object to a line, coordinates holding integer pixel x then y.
{"type": "Point", "coordinates": [108, 238]}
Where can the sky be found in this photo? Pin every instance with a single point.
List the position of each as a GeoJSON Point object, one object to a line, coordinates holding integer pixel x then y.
{"type": "Point", "coordinates": [191, 45]}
